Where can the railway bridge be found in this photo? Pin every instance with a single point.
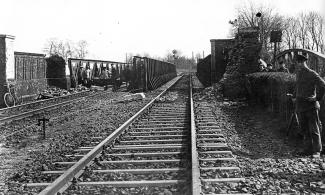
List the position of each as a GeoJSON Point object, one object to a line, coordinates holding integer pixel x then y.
{"type": "Point", "coordinates": [232, 59]}
{"type": "Point", "coordinates": [24, 75]}
{"type": "Point", "coordinates": [170, 141]}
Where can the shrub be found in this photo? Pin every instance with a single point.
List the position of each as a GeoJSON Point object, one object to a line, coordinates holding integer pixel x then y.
{"type": "Point", "coordinates": [56, 72]}
{"type": "Point", "coordinates": [270, 89]}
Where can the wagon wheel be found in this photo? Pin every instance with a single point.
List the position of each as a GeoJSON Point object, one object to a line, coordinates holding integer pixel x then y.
{"type": "Point", "coordinates": [9, 100]}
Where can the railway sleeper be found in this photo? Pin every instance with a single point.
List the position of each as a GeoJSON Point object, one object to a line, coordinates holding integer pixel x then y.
{"type": "Point", "coordinates": [156, 137]}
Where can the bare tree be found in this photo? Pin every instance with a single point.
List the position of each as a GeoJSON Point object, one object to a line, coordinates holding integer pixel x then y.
{"type": "Point", "coordinates": [128, 57]}
{"type": "Point", "coordinates": [66, 49]}
{"type": "Point", "coordinates": [198, 56]}
{"type": "Point", "coordinates": [303, 31]}
{"type": "Point", "coordinates": [290, 33]}
{"type": "Point", "coordinates": [315, 29]}
{"type": "Point", "coordinates": [81, 49]}
{"type": "Point", "coordinates": [269, 20]}
{"type": "Point", "coordinates": [182, 62]}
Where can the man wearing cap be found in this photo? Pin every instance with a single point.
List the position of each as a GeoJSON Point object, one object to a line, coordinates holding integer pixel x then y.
{"type": "Point", "coordinates": [307, 105]}
{"type": "Point", "coordinates": [283, 67]}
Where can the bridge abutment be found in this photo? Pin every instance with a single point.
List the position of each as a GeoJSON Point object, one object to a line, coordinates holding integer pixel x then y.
{"type": "Point", "coordinates": [7, 63]}
{"type": "Point", "coordinates": [242, 59]}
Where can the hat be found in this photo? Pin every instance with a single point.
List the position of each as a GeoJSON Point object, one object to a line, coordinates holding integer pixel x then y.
{"type": "Point", "coordinates": [301, 58]}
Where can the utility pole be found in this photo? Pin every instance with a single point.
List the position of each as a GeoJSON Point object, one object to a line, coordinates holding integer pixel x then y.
{"type": "Point", "coordinates": [192, 61]}
{"type": "Point", "coordinates": [44, 120]}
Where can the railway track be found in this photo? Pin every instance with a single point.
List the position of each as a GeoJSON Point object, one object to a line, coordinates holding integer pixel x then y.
{"type": "Point", "coordinates": [14, 113]}
{"type": "Point", "coordinates": [163, 149]}
{"type": "Point", "coordinates": [218, 169]}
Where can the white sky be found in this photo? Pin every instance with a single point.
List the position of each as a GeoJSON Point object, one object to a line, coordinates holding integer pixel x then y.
{"type": "Point", "coordinates": [115, 27]}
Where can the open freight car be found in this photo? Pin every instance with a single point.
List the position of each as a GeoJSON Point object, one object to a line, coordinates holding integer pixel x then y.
{"type": "Point", "coordinates": [89, 72]}
{"type": "Point", "coordinates": [141, 75]}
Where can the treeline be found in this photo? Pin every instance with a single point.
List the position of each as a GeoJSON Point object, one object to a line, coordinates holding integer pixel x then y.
{"type": "Point", "coordinates": [304, 30]}
{"type": "Point", "coordinates": [175, 56]}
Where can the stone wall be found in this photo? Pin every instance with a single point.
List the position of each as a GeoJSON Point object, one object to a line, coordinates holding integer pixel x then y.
{"type": "Point", "coordinates": [243, 60]}
{"type": "Point", "coordinates": [6, 64]}
{"type": "Point", "coordinates": [3, 78]}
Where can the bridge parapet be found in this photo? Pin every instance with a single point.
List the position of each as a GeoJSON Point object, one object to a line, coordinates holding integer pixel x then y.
{"type": "Point", "coordinates": [203, 72]}
{"type": "Point", "coordinates": [316, 60]}
{"type": "Point", "coordinates": [151, 73]}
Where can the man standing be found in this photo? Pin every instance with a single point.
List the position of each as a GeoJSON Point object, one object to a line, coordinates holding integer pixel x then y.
{"type": "Point", "coordinates": [87, 76]}
{"type": "Point", "coordinates": [114, 77]}
{"type": "Point", "coordinates": [307, 105]}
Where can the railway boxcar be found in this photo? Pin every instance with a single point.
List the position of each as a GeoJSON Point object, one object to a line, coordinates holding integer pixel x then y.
{"type": "Point", "coordinates": [29, 78]}
{"type": "Point", "coordinates": [21, 73]}
{"type": "Point", "coordinates": [30, 73]}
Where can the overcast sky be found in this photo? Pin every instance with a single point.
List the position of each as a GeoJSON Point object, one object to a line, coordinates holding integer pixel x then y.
{"type": "Point", "coordinates": [115, 27]}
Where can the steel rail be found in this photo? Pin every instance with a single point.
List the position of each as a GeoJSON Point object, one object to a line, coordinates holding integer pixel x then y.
{"type": "Point", "coordinates": [41, 101]}
{"type": "Point", "coordinates": [65, 180]}
{"type": "Point", "coordinates": [196, 182]}
{"type": "Point", "coordinates": [215, 155]}
{"type": "Point", "coordinates": [50, 107]}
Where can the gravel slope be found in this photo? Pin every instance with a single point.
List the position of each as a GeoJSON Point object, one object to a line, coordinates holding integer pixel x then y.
{"type": "Point", "coordinates": [267, 158]}
{"type": "Point", "coordinates": [25, 155]}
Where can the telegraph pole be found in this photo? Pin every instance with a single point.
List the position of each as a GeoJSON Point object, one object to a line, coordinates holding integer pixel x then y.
{"type": "Point", "coordinates": [192, 61]}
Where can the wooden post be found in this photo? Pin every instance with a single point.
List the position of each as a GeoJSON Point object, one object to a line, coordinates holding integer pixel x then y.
{"type": "Point", "coordinates": [44, 120]}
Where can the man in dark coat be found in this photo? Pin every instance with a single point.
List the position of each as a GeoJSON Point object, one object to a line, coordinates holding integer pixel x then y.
{"type": "Point", "coordinates": [114, 78]}
{"type": "Point", "coordinates": [307, 105]}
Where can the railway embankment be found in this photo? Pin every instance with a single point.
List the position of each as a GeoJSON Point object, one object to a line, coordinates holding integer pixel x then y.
{"type": "Point", "coordinates": [25, 155]}
{"type": "Point", "coordinates": [269, 160]}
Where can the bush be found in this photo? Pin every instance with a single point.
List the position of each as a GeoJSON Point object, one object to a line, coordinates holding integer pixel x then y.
{"type": "Point", "coordinates": [55, 72]}
{"type": "Point", "coordinates": [270, 89]}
